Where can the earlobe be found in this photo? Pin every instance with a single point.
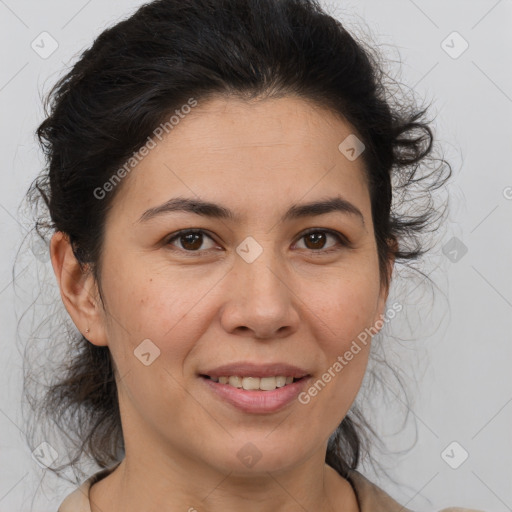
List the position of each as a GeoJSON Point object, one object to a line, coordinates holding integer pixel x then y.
{"type": "Point", "coordinates": [78, 290]}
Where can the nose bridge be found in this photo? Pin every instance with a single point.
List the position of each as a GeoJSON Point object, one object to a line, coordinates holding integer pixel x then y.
{"type": "Point", "coordinates": [257, 268]}
{"type": "Point", "coordinates": [261, 300]}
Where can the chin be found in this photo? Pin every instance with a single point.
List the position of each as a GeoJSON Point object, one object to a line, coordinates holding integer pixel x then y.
{"type": "Point", "coordinates": [260, 456]}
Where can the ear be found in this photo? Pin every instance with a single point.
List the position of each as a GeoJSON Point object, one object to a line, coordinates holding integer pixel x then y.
{"type": "Point", "coordinates": [393, 244]}
{"type": "Point", "coordinates": [78, 290]}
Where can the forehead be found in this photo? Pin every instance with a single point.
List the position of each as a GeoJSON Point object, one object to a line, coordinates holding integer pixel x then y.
{"type": "Point", "coordinates": [224, 123]}
{"type": "Point", "coordinates": [247, 154]}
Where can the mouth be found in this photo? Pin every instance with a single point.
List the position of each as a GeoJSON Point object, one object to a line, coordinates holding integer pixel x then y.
{"type": "Point", "coordinates": [255, 395]}
{"type": "Point", "coordinates": [249, 383]}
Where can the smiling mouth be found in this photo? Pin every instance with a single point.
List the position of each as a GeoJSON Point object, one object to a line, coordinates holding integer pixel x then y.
{"type": "Point", "coordinates": [255, 383]}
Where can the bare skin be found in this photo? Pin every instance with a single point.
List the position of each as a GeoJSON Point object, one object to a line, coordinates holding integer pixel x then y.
{"type": "Point", "coordinates": [203, 305]}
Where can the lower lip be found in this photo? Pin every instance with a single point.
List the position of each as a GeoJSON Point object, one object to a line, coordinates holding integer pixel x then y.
{"type": "Point", "coordinates": [257, 401]}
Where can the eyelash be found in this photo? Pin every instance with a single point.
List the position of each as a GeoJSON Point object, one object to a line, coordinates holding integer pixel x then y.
{"type": "Point", "coordinates": [343, 240]}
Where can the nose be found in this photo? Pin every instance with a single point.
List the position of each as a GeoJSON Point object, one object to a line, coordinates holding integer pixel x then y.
{"type": "Point", "coordinates": [262, 303]}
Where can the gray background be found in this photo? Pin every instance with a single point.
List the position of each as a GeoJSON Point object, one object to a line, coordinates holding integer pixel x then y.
{"type": "Point", "coordinates": [458, 365]}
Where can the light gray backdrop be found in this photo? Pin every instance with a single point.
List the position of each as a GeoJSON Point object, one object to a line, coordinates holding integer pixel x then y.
{"type": "Point", "coordinates": [459, 363]}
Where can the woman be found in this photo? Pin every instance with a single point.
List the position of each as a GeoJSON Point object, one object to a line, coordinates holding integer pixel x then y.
{"type": "Point", "coordinates": [219, 189]}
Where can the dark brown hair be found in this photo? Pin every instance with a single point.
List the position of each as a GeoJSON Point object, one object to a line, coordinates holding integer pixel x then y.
{"type": "Point", "coordinates": [134, 76]}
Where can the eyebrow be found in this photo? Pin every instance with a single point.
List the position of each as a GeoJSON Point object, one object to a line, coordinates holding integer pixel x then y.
{"type": "Point", "coordinates": [217, 211]}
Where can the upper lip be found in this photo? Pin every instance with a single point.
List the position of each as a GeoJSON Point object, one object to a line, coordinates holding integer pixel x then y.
{"type": "Point", "coordinates": [247, 369]}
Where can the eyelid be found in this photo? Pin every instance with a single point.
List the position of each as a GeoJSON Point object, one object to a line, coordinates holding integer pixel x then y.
{"type": "Point", "coordinates": [333, 232]}
{"type": "Point", "coordinates": [182, 232]}
{"type": "Point", "coordinates": [343, 240]}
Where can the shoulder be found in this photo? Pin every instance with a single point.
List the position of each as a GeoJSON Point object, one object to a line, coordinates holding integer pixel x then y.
{"type": "Point", "coordinates": [78, 500]}
{"type": "Point", "coordinates": [458, 509]}
{"type": "Point", "coordinates": [371, 497]}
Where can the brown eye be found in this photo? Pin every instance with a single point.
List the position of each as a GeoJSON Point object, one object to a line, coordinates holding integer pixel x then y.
{"type": "Point", "coordinates": [190, 240]}
{"type": "Point", "coordinates": [315, 240]}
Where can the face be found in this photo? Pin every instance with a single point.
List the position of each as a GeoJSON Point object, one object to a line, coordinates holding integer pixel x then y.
{"type": "Point", "coordinates": [258, 287]}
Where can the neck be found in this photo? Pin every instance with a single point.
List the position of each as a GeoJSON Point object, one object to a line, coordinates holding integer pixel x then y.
{"type": "Point", "coordinates": [152, 481]}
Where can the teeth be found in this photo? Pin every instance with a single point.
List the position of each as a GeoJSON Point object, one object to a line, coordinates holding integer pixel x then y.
{"type": "Point", "coordinates": [235, 382]}
{"type": "Point", "coordinates": [255, 383]}
{"type": "Point", "coordinates": [281, 381]}
{"type": "Point", "coordinates": [251, 383]}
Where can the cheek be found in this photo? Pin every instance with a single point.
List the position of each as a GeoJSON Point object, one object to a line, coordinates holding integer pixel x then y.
{"type": "Point", "coordinates": [343, 310]}
{"type": "Point", "coordinates": [343, 314]}
{"type": "Point", "coordinates": [150, 304]}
